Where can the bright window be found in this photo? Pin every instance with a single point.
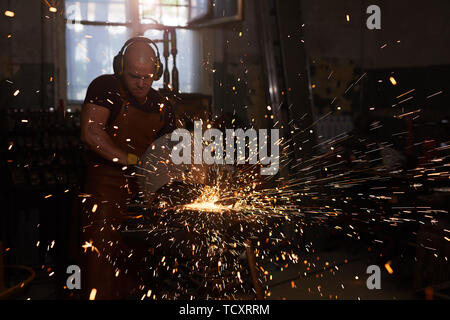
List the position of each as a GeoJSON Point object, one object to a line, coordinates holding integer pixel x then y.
{"type": "Point", "coordinates": [188, 63]}
{"type": "Point", "coordinates": [90, 49]}
{"type": "Point", "coordinates": [97, 10]}
{"type": "Point", "coordinates": [166, 12]}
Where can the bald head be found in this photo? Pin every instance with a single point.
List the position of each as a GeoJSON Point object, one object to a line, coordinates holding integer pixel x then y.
{"type": "Point", "coordinates": [139, 69]}
{"type": "Point", "coordinates": [141, 53]}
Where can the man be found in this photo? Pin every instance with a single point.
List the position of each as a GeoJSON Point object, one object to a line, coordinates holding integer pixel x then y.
{"type": "Point", "coordinates": [121, 116]}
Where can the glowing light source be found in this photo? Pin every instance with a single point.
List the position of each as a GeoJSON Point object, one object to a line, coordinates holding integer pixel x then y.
{"type": "Point", "coordinates": [89, 245]}
{"type": "Point", "coordinates": [208, 202]}
{"type": "Point", "coordinates": [388, 267]}
{"type": "Point", "coordinates": [393, 81]}
{"type": "Point", "coordinates": [9, 13]}
{"type": "Point", "coordinates": [93, 294]}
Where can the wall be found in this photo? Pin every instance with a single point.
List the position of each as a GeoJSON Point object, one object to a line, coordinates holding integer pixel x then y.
{"type": "Point", "coordinates": [233, 69]}
{"type": "Point", "coordinates": [29, 58]}
{"type": "Point", "coordinates": [421, 26]}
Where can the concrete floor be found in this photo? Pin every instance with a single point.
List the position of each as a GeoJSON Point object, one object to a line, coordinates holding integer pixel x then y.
{"type": "Point", "coordinates": [331, 277]}
{"type": "Point", "coordinates": [337, 272]}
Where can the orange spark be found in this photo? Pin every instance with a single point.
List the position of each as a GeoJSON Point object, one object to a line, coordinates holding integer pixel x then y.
{"type": "Point", "coordinates": [388, 267]}
{"type": "Point", "coordinates": [393, 81]}
{"type": "Point", "coordinates": [93, 294]}
{"type": "Point", "coordinates": [87, 245]}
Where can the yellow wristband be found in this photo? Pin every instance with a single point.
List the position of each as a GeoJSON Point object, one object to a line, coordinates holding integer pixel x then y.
{"type": "Point", "coordinates": [132, 159]}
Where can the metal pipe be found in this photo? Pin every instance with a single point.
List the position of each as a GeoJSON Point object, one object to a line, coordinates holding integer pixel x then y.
{"type": "Point", "coordinates": [10, 291]}
{"type": "Point", "coordinates": [174, 51]}
{"type": "Point", "coordinates": [253, 271]}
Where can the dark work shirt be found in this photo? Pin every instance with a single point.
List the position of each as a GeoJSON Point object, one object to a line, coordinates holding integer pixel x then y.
{"type": "Point", "coordinates": [105, 91]}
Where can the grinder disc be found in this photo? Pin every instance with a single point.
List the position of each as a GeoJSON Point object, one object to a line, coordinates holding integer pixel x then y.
{"type": "Point", "coordinates": [158, 170]}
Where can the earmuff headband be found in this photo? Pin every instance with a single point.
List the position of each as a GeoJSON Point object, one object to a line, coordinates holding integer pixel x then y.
{"type": "Point", "coordinates": [119, 69]}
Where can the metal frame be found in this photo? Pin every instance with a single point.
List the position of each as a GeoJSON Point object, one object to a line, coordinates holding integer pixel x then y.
{"type": "Point", "coordinates": [136, 28]}
{"type": "Point", "coordinates": [210, 21]}
{"type": "Point", "coordinates": [199, 18]}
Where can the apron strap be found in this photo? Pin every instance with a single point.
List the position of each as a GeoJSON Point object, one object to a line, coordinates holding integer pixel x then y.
{"type": "Point", "coordinates": [124, 104]}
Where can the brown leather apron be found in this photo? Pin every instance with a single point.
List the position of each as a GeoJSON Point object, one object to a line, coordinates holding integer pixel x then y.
{"type": "Point", "coordinates": [133, 130]}
{"type": "Point", "coordinates": [110, 189]}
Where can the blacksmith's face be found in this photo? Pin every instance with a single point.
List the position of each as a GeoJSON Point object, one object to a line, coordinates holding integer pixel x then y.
{"type": "Point", "coordinates": [138, 77]}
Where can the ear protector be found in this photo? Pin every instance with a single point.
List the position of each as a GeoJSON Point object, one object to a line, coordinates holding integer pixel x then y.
{"type": "Point", "coordinates": [118, 62]}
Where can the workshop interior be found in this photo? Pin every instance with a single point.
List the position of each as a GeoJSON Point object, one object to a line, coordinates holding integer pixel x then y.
{"type": "Point", "coordinates": [339, 192]}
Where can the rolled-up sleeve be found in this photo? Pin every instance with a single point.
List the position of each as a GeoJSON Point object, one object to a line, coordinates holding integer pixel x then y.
{"type": "Point", "coordinates": [102, 92]}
